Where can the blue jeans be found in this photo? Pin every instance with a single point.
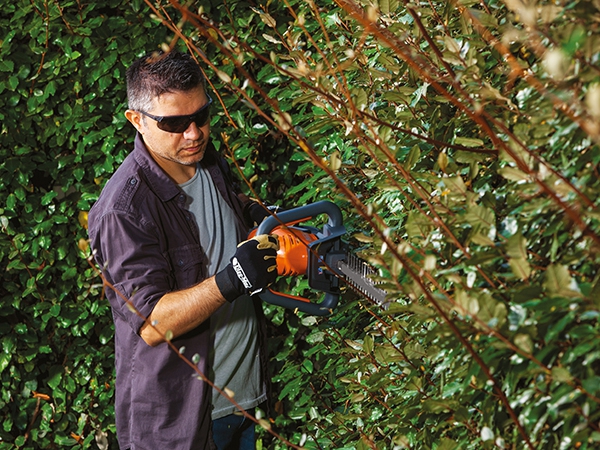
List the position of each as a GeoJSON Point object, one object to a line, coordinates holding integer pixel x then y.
{"type": "Point", "coordinates": [234, 432]}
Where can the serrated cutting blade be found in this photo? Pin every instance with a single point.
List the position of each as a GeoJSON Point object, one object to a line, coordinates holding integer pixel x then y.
{"type": "Point", "coordinates": [358, 273]}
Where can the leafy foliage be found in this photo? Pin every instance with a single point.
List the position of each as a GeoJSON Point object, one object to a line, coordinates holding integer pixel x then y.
{"type": "Point", "coordinates": [463, 143]}
{"type": "Point", "coordinates": [461, 139]}
{"type": "Point", "coordinates": [61, 96]}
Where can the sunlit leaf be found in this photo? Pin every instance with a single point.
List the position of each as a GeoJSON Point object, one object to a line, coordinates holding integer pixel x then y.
{"type": "Point", "coordinates": [520, 267]}
{"type": "Point", "coordinates": [468, 142]}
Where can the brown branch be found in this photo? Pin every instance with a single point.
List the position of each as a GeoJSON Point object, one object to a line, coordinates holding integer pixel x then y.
{"type": "Point", "coordinates": [36, 413]}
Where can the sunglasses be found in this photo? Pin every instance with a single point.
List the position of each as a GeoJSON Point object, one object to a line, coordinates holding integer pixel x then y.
{"type": "Point", "coordinates": [178, 124]}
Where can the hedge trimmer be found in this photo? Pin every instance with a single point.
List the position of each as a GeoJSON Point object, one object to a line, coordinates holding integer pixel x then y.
{"type": "Point", "coordinates": [321, 255]}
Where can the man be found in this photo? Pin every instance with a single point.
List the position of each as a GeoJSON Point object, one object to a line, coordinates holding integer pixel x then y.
{"type": "Point", "coordinates": [165, 231]}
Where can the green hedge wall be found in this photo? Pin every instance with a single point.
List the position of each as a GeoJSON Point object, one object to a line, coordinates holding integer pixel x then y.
{"type": "Point", "coordinates": [461, 141]}
{"type": "Point", "coordinates": [62, 94]}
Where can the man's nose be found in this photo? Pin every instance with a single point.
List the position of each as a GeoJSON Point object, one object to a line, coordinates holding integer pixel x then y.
{"type": "Point", "coordinates": [193, 132]}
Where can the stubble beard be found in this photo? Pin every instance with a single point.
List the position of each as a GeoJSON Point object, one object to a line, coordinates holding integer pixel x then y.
{"type": "Point", "coordinates": [192, 159]}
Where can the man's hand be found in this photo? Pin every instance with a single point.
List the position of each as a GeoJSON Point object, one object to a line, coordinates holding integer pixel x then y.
{"type": "Point", "coordinates": [255, 213]}
{"type": "Point", "coordinates": [251, 269]}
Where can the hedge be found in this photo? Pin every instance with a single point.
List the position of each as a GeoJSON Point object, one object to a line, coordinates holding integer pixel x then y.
{"type": "Point", "coordinates": [459, 138]}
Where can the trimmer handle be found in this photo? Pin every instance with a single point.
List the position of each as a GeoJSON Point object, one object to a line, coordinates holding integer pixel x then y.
{"type": "Point", "coordinates": [303, 213]}
{"type": "Point", "coordinates": [328, 238]}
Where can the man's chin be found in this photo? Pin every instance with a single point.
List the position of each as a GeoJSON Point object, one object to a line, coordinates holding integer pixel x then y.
{"type": "Point", "coordinates": [191, 157]}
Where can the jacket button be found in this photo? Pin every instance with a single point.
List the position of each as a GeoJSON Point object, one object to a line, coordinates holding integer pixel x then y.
{"type": "Point", "coordinates": [181, 262]}
{"type": "Point", "coordinates": [132, 181]}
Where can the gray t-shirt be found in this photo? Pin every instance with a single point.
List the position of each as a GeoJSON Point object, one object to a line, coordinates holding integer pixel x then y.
{"type": "Point", "coordinates": [235, 361]}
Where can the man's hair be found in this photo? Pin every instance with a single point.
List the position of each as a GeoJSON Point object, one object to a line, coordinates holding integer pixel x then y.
{"type": "Point", "coordinates": [159, 73]}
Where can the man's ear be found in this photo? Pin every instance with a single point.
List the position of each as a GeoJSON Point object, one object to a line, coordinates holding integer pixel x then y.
{"type": "Point", "coordinates": [135, 118]}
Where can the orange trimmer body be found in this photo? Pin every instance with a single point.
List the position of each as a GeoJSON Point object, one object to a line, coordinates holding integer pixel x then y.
{"type": "Point", "coordinates": [307, 251]}
{"type": "Point", "coordinates": [293, 254]}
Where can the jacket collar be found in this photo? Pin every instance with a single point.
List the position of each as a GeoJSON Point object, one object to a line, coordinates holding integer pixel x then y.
{"type": "Point", "coordinates": [164, 187]}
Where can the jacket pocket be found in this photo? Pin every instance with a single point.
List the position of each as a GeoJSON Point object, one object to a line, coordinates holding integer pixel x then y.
{"type": "Point", "coordinates": [189, 265]}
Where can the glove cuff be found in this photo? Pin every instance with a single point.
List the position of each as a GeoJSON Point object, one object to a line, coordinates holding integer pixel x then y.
{"type": "Point", "coordinates": [227, 283]}
{"type": "Point", "coordinates": [253, 213]}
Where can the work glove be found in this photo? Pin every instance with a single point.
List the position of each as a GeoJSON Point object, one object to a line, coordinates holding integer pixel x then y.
{"type": "Point", "coordinates": [255, 213]}
{"type": "Point", "coordinates": [252, 268]}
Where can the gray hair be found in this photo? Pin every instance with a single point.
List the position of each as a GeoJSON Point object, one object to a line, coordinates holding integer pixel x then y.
{"type": "Point", "coordinates": [159, 73]}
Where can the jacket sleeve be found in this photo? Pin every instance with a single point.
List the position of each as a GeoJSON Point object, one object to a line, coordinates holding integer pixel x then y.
{"type": "Point", "coordinates": [132, 262]}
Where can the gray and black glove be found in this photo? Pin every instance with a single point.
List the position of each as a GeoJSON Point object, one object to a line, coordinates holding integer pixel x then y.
{"type": "Point", "coordinates": [251, 269]}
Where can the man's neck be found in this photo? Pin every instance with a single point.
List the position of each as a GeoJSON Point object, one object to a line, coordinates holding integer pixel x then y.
{"type": "Point", "coordinates": [179, 173]}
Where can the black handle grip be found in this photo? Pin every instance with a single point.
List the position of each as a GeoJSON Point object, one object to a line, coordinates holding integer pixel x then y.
{"type": "Point", "coordinates": [303, 212]}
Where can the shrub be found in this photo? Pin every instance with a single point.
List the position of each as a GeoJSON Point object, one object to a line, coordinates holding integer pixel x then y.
{"type": "Point", "coordinates": [461, 141]}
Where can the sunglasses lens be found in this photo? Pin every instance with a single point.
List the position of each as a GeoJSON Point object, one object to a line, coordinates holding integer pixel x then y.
{"type": "Point", "coordinates": [202, 117]}
{"type": "Point", "coordinates": [174, 124]}
{"type": "Point", "coordinates": [180, 124]}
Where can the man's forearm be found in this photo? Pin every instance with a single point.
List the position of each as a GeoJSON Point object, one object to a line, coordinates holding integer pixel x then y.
{"type": "Point", "coordinates": [182, 311]}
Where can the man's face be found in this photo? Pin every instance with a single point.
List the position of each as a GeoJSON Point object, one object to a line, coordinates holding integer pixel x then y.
{"type": "Point", "coordinates": [176, 153]}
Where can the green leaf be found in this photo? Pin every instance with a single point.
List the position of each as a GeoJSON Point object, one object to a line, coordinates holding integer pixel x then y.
{"type": "Point", "coordinates": [55, 310]}
{"type": "Point", "coordinates": [480, 216]}
{"type": "Point", "coordinates": [4, 361]}
{"type": "Point", "coordinates": [13, 82]}
{"type": "Point", "coordinates": [468, 142]}
{"type": "Point", "coordinates": [308, 365]}
{"type": "Point", "coordinates": [516, 246]}
{"type": "Point", "coordinates": [456, 185]}
{"type": "Point", "coordinates": [558, 281]}
{"type": "Point", "coordinates": [65, 441]}
{"type": "Point", "coordinates": [413, 157]}
{"type": "Point", "coordinates": [524, 342]}
{"type": "Point", "coordinates": [48, 197]}
{"type": "Point", "coordinates": [520, 267]}
{"type": "Point", "coordinates": [368, 344]}
{"type": "Point", "coordinates": [56, 375]}
{"type": "Point", "coordinates": [11, 202]}
{"type": "Point", "coordinates": [513, 174]}
{"type": "Point", "coordinates": [557, 327]}
{"type": "Point", "coordinates": [7, 66]}
{"type": "Point", "coordinates": [561, 375]}
{"type": "Point", "coordinates": [360, 98]}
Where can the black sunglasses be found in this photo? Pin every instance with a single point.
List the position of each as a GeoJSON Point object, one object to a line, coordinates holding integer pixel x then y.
{"type": "Point", "coordinates": [178, 124]}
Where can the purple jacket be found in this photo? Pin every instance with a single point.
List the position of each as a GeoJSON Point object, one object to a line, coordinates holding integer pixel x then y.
{"type": "Point", "coordinates": [148, 244]}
